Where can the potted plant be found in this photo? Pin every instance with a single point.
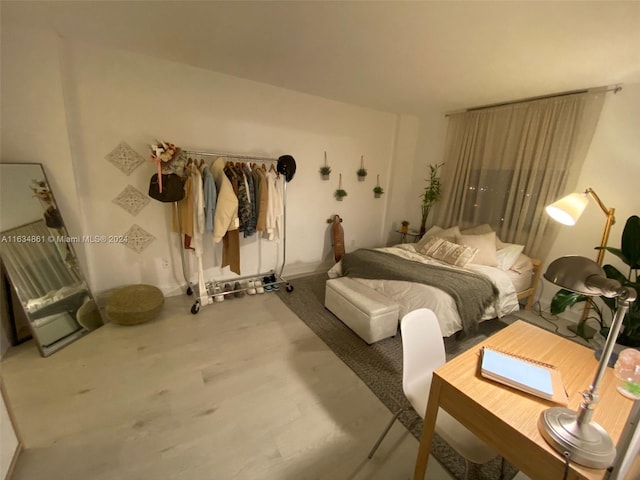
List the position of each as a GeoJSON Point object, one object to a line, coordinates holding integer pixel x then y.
{"type": "Point", "coordinates": [340, 193]}
{"type": "Point", "coordinates": [405, 226]}
{"type": "Point", "coordinates": [629, 253]}
{"type": "Point", "coordinates": [325, 170]}
{"type": "Point", "coordinates": [431, 194]}
{"type": "Point", "coordinates": [362, 172]}
{"type": "Point", "coordinates": [377, 190]}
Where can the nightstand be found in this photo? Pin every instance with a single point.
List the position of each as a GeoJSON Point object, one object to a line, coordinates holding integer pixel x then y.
{"type": "Point", "coordinates": [411, 233]}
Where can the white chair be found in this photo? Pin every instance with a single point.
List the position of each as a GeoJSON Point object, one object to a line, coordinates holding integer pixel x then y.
{"type": "Point", "coordinates": [422, 353]}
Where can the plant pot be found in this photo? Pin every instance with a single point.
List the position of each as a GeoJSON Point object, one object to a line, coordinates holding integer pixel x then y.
{"type": "Point", "coordinates": [324, 177]}
{"type": "Point", "coordinates": [339, 198]}
{"type": "Point", "coordinates": [361, 178]}
{"type": "Point", "coordinates": [404, 229]}
{"type": "Point", "coordinates": [377, 195]}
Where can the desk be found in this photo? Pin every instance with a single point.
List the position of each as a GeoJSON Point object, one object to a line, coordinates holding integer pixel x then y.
{"type": "Point", "coordinates": [507, 419]}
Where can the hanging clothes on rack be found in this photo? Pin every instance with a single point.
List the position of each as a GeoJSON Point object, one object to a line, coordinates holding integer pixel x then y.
{"type": "Point", "coordinates": [250, 229]}
{"type": "Point", "coordinates": [275, 183]}
{"type": "Point", "coordinates": [210, 194]}
{"type": "Point", "coordinates": [262, 197]}
{"type": "Point", "coordinates": [183, 217]}
{"type": "Point", "coordinates": [225, 222]}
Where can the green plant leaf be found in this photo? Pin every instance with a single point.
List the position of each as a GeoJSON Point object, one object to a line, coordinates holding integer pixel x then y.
{"type": "Point", "coordinates": [631, 241]}
{"type": "Point", "coordinates": [564, 299]}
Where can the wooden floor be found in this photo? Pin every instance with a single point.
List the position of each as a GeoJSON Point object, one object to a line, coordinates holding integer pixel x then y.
{"type": "Point", "coordinates": [243, 390]}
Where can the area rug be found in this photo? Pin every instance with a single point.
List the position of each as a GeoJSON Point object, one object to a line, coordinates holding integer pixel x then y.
{"type": "Point", "coordinates": [380, 366]}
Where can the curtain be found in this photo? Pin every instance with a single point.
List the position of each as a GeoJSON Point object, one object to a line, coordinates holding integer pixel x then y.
{"type": "Point", "coordinates": [35, 267]}
{"type": "Point", "coordinates": [504, 164]}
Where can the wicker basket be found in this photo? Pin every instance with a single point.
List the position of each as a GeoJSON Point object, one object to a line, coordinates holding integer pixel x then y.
{"type": "Point", "coordinates": [134, 304]}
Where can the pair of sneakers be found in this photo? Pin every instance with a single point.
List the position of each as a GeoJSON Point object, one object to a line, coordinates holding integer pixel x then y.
{"type": "Point", "coordinates": [270, 284]}
{"type": "Point", "coordinates": [254, 286]}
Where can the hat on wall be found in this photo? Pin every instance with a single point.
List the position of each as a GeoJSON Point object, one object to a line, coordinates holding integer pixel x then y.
{"type": "Point", "coordinates": [287, 166]}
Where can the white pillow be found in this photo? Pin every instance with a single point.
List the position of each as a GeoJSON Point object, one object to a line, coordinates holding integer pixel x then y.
{"type": "Point", "coordinates": [477, 230]}
{"type": "Point", "coordinates": [484, 228]}
{"type": "Point", "coordinates": [486, 245]}
{"type": "Point", "coordinates": [448, 252]}
{"type": "Point", "coordinates": [523, 264]}
{"type": "Point", "coordinates": [508, 255]}
{"type": "Point", "coordinates": [449, 234]}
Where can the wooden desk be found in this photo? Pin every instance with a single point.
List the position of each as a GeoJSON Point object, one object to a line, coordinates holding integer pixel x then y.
{"type": "Point", "coordinates": [507, 419]}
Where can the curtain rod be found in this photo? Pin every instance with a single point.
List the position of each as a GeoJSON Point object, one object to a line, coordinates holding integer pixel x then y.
{"type": "Point", "coordinates": [606, 88]}
{"type": "Point", "coordinates": [229, 155]}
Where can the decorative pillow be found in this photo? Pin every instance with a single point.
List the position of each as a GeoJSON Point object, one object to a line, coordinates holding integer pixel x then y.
{"type": "Point", "coordinates": [448, 252]}
{"type": "Point", "coordinates": [486, 245]}
{"type": "Point", "coordinates": [480, 229]}
{"type": "Point", "coordinates": [449, 234]}
{"type": "Point", "coordinates": [508, 255]}
{"type": "Point", "coordinates": [477, 230]}
{"type": "Point", "coordinates": [523, 264]}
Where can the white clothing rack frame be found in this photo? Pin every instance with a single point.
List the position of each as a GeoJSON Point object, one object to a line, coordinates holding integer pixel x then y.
{"type": "Point", "coordinates": [207, 295]}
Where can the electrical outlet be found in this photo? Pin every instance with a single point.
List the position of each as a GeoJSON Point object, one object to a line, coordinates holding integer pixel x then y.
{"type": "Point", "coordinates": [165, 263]}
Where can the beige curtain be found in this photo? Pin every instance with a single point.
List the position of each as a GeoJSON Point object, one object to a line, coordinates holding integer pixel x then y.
{"type": "Point", "coordinates": [503, 164]}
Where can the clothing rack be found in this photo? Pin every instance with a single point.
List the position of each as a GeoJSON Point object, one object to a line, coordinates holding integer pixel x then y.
{"type": "Point", "coordinates": [206, 297]}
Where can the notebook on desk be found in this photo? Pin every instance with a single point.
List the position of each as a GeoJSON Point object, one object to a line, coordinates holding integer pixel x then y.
{"type": "Point", "coordinates": [525, 374]}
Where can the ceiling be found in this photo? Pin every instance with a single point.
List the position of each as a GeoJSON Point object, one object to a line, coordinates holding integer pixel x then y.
{"type": "Point", "coordinates": [409, 57]}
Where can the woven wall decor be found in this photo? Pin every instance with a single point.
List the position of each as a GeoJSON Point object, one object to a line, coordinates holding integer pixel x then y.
{"type": "Point", "coordinates": [125, 158]}
{"type": "Point", "coordinates": [132, 200]}
{"type": "Point", "coordinates": [138, 238]}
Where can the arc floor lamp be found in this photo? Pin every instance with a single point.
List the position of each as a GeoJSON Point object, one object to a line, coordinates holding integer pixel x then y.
{"type": "Point", "coordinates": [567, 211]}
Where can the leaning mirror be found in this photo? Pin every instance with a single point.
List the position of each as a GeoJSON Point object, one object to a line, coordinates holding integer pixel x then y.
{"type": "Point", "coordinates": [41, 265]}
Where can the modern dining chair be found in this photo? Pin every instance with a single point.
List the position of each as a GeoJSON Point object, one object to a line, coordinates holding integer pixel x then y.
{"type": "Point", "coordinates": [422, 353]}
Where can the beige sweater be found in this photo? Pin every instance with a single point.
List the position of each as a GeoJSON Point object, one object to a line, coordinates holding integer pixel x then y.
{"type": "Point", "coordinates": [225, 217]}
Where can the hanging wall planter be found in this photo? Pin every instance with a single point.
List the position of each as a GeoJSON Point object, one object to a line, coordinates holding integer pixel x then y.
{"type": "Point", "coordinates": [377, 190]}
{"type": "Point", "coordinates": [325, 171]}
{"type": "Point", "coordinates": [362, 172]}
{"type": "Point", "coordinates": [340, 193]}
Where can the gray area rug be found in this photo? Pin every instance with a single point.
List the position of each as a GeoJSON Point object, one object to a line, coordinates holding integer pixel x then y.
{"type": "Point", "coordinates": [380, 366]}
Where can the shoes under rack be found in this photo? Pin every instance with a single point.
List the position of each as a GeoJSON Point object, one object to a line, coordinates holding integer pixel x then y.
{"type": "Point", "coordinates": [219, 291]}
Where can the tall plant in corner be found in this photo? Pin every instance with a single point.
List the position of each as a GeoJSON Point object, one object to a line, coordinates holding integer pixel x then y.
{"type": "Point", "coordinates": [629, 253]}
{"type": "Point", "coordinates": [431, 194]}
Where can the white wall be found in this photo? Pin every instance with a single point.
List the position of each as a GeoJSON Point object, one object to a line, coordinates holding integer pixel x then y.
{"type": "Point", "coordinates": [98, 97]}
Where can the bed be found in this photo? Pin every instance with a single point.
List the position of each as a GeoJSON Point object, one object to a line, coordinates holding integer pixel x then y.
{"type": "Point", "coordinates": [447, 255]}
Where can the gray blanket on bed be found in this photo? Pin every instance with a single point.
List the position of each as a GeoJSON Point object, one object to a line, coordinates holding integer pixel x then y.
{"type": "Point", "coordinates": [472, 292]}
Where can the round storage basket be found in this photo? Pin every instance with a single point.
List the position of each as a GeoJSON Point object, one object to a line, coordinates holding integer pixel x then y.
{"type": "Point", "coordinates": [134, 304]}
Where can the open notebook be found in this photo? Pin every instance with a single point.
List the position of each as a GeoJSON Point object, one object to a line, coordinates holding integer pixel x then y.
{"type": "Point", "coordinates": [525, 374]}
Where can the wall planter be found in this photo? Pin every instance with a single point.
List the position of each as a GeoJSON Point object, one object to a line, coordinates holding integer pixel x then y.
{"type": "Point", "coordinates": [340, 193]}
{"type": "Point", "coordinates": [377, 190]}
{"type": "Point", "coordinates": [325, 170]}
{"type": "Point", "coordinates": [362, 172]}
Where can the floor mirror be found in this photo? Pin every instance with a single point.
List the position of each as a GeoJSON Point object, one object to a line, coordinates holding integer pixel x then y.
{"type": "Point", "coordinates": [40, 261]}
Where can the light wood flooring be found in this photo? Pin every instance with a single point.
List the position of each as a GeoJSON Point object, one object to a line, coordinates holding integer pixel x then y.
{"type": "Point", "coordinates": [242, 390]}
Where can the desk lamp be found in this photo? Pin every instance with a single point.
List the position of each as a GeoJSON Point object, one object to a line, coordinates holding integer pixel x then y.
{"type": "Point", "coordinates": [586, 442]}
{"type": "Point", "coordinates": [567, 211]}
